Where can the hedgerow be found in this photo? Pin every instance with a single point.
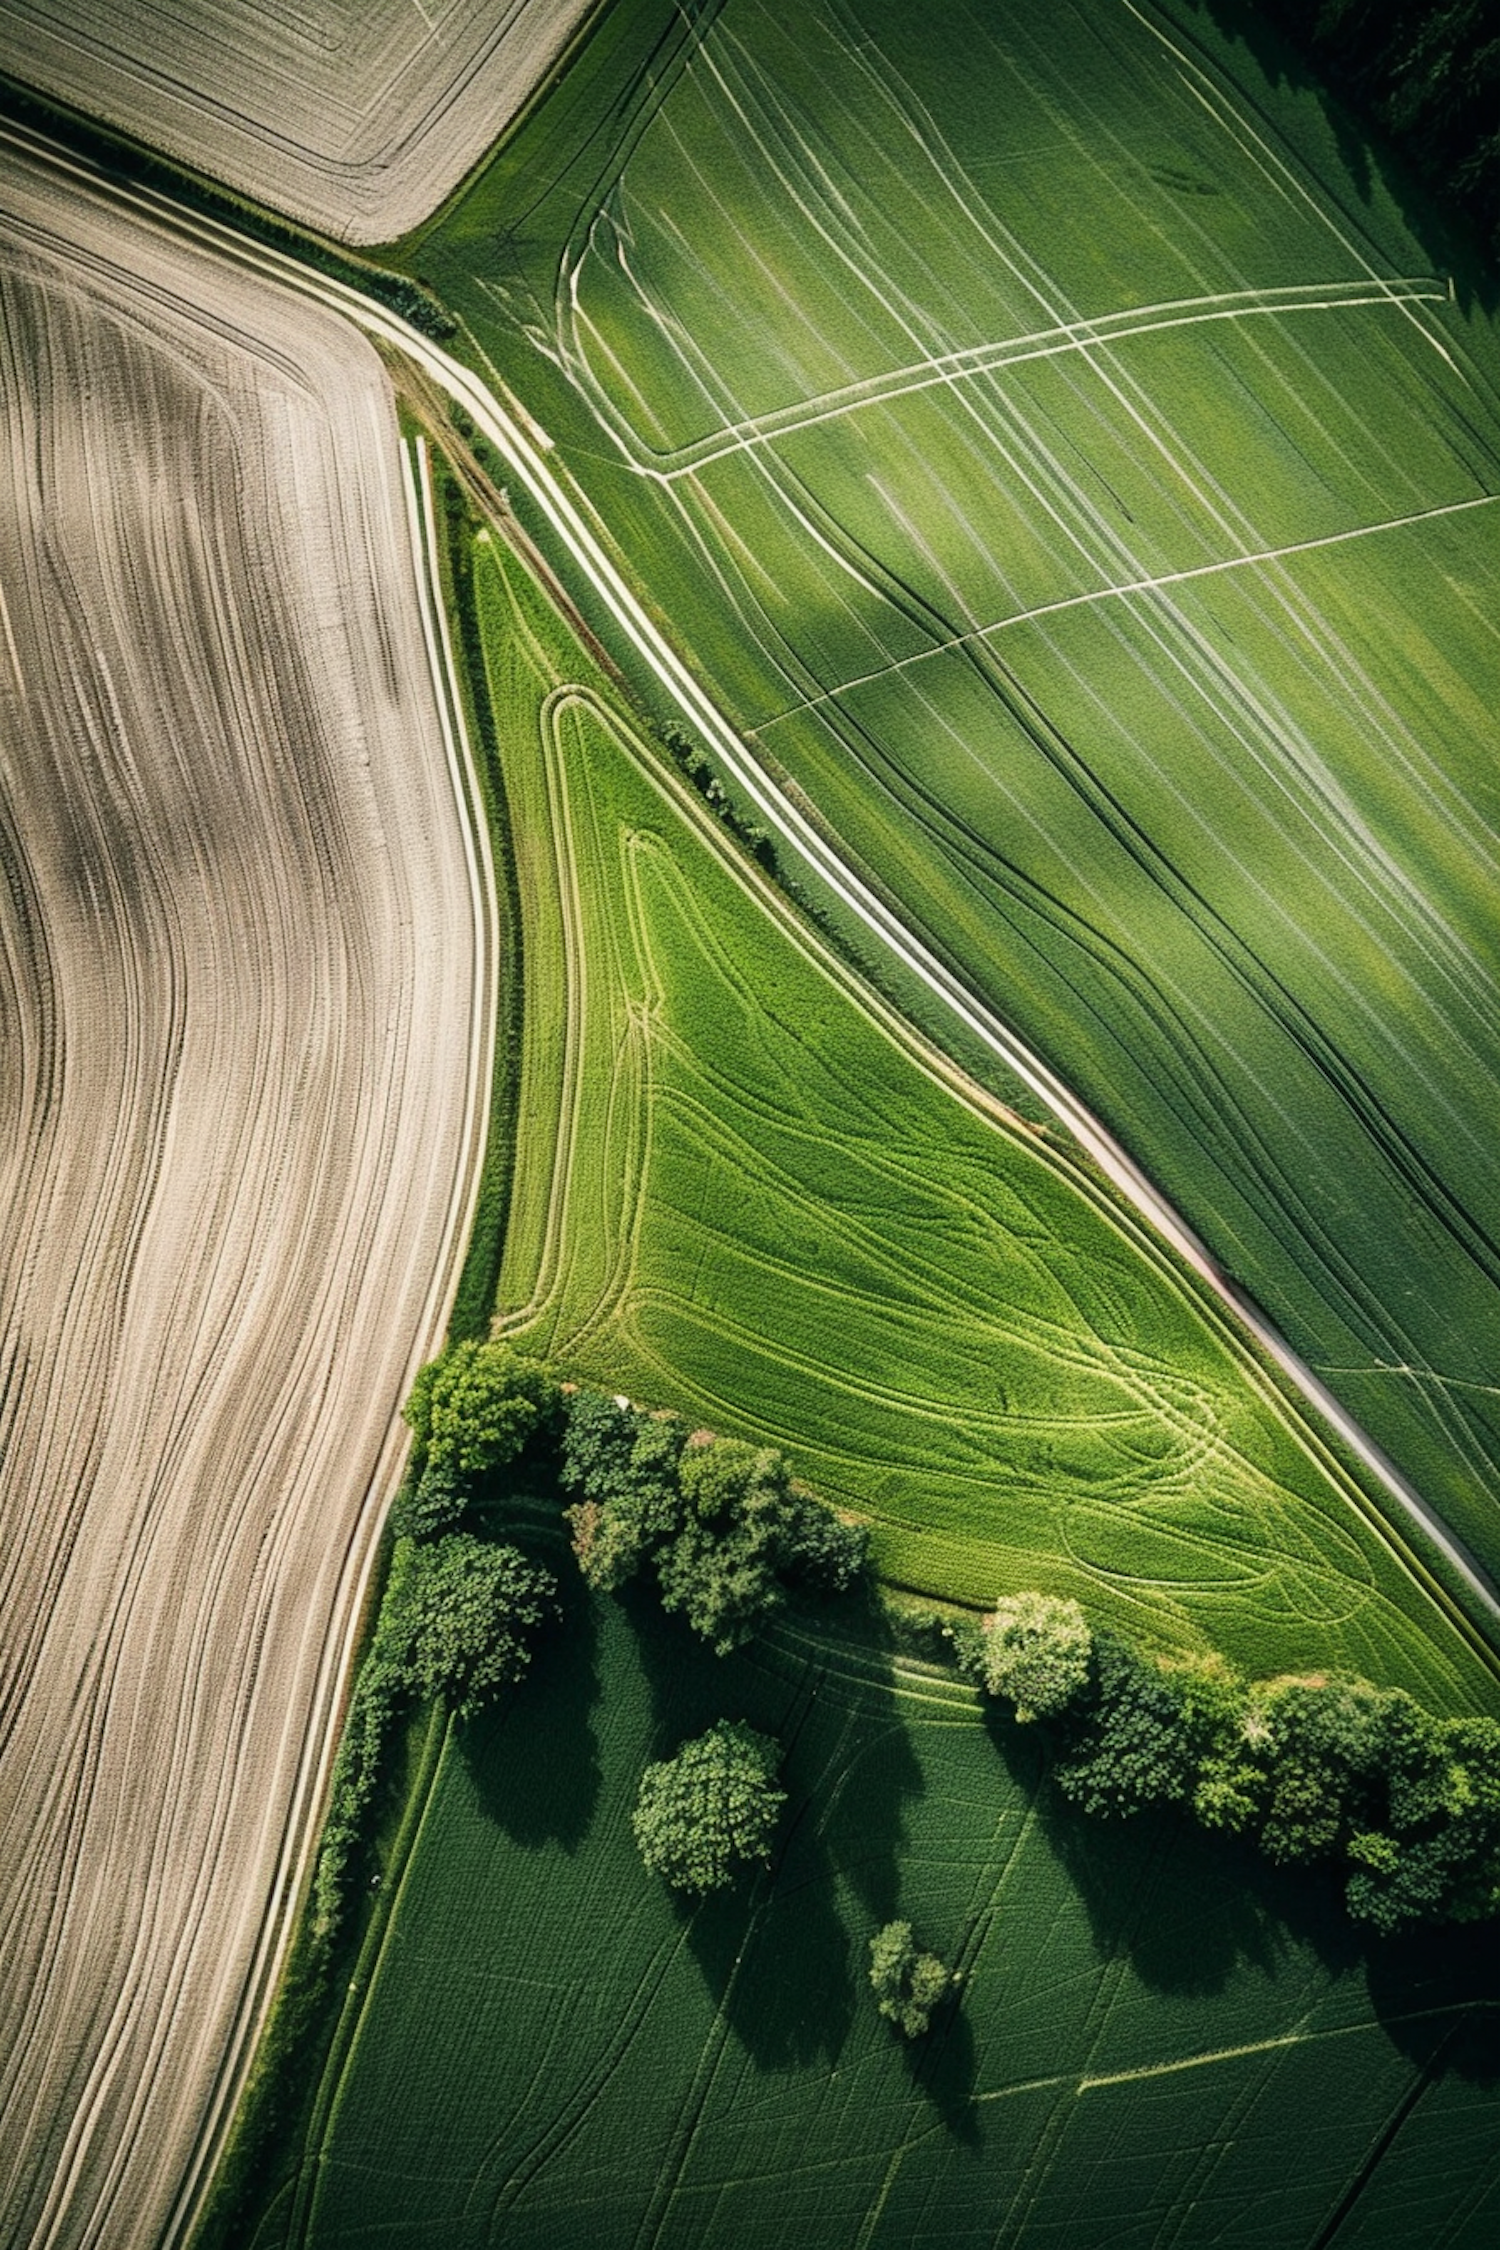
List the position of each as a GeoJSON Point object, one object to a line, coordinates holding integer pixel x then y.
{"type": "Point", "coordinates": [1318, 1768]}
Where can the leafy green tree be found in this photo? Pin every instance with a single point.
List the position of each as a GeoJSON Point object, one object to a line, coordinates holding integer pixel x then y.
{"type": "Point", "coordinates": [429, 1505]}
{"type": "Point", "coordinates": [819, 1549]}
{"type": "Point", "coordinates": [1433, 1855]}
{"type": "Point", "coordinates": [1229, 1735]}
{"type": "Point", "coordinates": [718, 1523]}
{"type": "Point", "coordinates": [1129, 1742]}
{"type": "Point", "coordinates": [474, 1409]}
{"type": "Point", "coordinates": [462, 1619]}
{"type": "Point", "coordinates": [908, 1983]}
{"type": "Point", "coordinates": [705, 1813]}
{"type": "Point", "coordinates": [1321, 1751]}
{"type": "Point", "coordinates": [1034, 1650]}
{"type": "Point", "coordinates": [625, 1462]}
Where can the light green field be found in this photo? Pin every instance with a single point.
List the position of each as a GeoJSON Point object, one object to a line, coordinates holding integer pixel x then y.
{"type": "Point", "coordinates": [546, 2051]}
{"type": "Point", "coordinates": [744, 1190]}
{"type": "Point", "coordinates": [1060, 453]}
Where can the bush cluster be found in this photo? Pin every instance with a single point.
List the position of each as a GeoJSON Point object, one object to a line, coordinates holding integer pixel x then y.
{"type": "Point", "coordinates": [460, 1613]}
{"type": "Point", "coordinates": [696, 768]}
{"type": "Point", "coordinates": [718, 1524]}
{"type": "Point", "coordinates": [1318, 1768]}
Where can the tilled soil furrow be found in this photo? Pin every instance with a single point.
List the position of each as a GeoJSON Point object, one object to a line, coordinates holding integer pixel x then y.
{"type": "Point", "coordinates": [240, 970]}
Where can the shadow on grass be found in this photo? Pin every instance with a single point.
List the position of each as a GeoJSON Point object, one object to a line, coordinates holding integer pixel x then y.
{"type": "Point", "coordinates": [534, 1756]}
{"type": "Point", "coordinates": [1188, 1909]}
{"type": "Point", "coordinates": [777, 1955]}
{"type": "Point", "coordinates": [1449, 235]}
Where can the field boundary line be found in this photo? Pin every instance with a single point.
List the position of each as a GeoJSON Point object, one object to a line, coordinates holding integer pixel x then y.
{"type": "Point", "coordinates": [984, 359]}
{"type": "Point", "coordinates": [1128, 587]}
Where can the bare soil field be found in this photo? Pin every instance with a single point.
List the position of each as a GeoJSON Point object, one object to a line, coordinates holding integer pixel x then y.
{"type": "Point", "coordinates": [358, 120]}
{"type": "Point", "coordinates": [242, 962]}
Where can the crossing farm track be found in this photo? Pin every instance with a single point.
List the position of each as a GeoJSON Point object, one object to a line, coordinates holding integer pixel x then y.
{"type": "Point", "coordinates": [357, 120]}
{"type": "Point", "coordinates": [243, 974]}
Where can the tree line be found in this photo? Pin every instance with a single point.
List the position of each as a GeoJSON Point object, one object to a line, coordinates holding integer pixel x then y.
{"type": "Point", "coordinates": [1316, 1767]}
{"type": "Point", "coordinates": [1312, 1768]}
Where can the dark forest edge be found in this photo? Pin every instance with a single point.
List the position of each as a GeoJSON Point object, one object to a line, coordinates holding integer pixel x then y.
{"type": "Point", "coordinates": [1425, 75]}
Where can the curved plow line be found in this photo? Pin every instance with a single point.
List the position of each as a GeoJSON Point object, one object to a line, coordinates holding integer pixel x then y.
{"type": "Point", "coordinates": [631, 1091]}
{"type": "Point", "coordinates": [305, 1812]}
{"type": "Point", "coordinates": [520, 449]}
{"type": "Point", "coordinates": [1134, 1382]}
{"type": "Point", "coordinates": [983, 359]}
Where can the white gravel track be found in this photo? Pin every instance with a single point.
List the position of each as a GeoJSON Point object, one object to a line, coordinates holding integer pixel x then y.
{"type": "Point", "coordinates": [357, 116]}
{"type": "Point", "coordinates": [243, 997]}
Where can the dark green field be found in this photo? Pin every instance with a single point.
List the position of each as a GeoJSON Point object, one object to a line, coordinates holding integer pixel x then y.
{"type": "Point", "coordinates": [1158, 2041]}
{"type": "Point", "coordinates": [1058, 447]}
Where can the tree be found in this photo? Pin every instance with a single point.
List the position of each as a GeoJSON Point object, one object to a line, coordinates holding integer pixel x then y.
{"type": "Point", "coordinates": [625, 1464]}
{"type": "Point", "coordinates": [908, 1984]}
{"type": "Point", "coordinates": [473, 1409]}
{"type": "Point", "coordinates": [703, 1814]}
{"type": "Point", "coordinates": [718, 1523]}
{"type": "Point", "coordinates": [1034, 1650]}
{"type": "Point", "coordinates": [430, 1504]}
{"type": "Point", "coordinates": [461, 1620]}
{"type": "Point", "coordinates": [1321, 1749]}
{"type": "Point", "coordinates": [1132, 1745]}
{"type": "Point", "coordinates": [1434, 1853]}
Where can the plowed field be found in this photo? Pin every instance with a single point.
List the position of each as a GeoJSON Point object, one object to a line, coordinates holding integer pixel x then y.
{"type": "Point", "coordinates": [240, 965]}
{"type": "Point", "coordinates": [357, 119]}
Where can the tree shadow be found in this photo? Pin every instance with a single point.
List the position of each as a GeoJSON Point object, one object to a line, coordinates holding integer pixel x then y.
{"type": "Point", "coordinates": [1188, 1909]}
{"type": "Point", "coordinates": [533, 1756]}
{"type": "Point", "coordinates": [1449, 237]}
{"type": "Point", "coordinates": [942, 2065]}
{"type": "Point", "coordinates": [1437, 1994]}
{"type": "Point", "coordinates": [779, 1959]}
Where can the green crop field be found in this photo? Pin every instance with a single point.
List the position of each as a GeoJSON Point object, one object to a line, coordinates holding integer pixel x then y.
{"type": "Point", "coordinates": [1158, 2041]}
{"type": "Point", "coordinates": [741, 1189]}
{"type": "Point", "coordinates": [1064, 456]}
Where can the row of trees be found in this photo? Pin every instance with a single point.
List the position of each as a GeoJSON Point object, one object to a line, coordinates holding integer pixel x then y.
{"type": "Point", "coordinates": [1315, 1768]}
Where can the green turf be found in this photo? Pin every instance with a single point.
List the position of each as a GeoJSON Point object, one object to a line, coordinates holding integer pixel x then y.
{"type": "Point", "coordinates": [1222, 847]}
{"type": "Point", "coordinates": [1158, 2042]}
{"type": "Point", "coordinates": [742, 1190]}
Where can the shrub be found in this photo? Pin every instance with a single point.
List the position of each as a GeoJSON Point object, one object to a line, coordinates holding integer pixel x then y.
{"type": "Point", "coordinates": [908, 1984]}
{"type": "Point", "coordinates": [473, 1409]}
{"type": "Point", "coordinates": [704, 1814]}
